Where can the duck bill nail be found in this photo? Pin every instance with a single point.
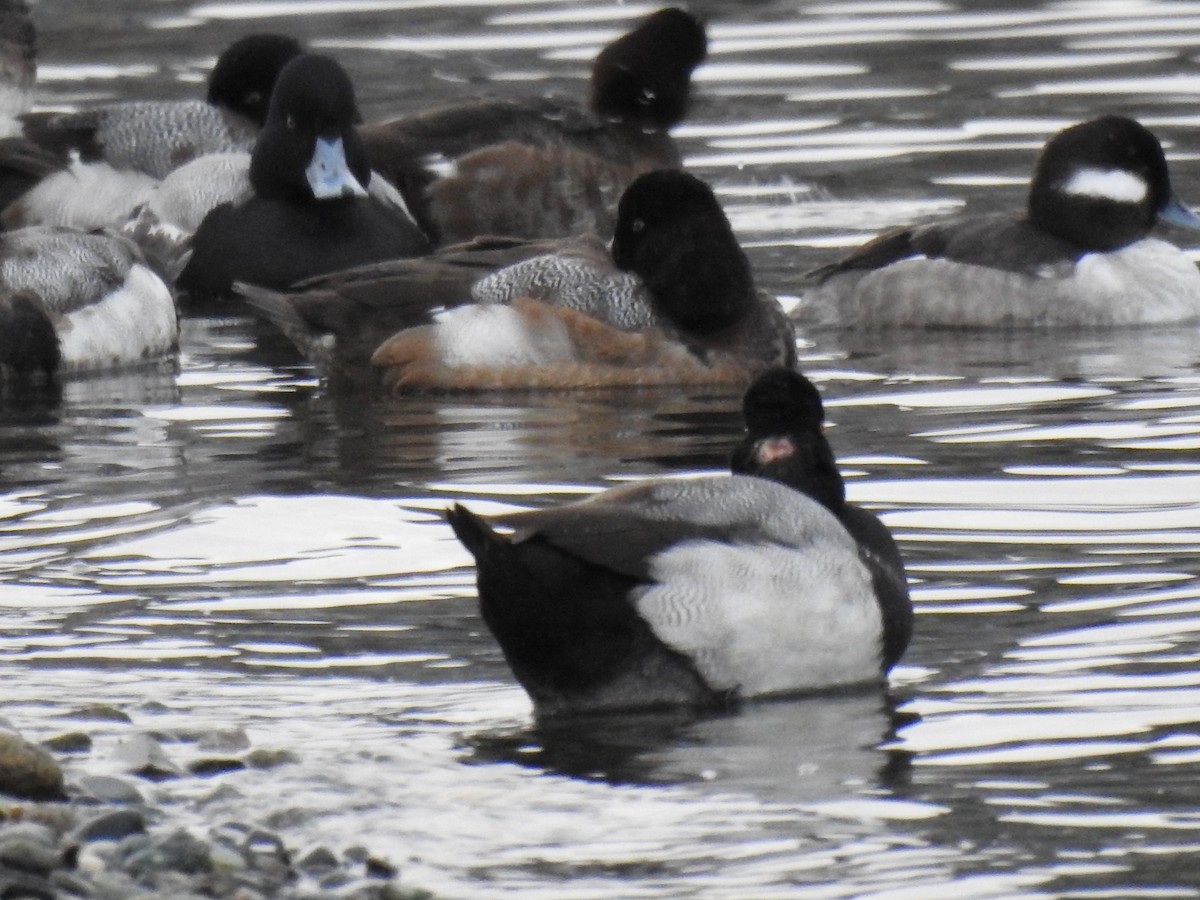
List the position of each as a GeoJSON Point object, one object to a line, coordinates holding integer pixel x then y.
{"type": "Point", "coordinates": [328, 174]}
{"type": "Point", "coordinates": [1175, 213]}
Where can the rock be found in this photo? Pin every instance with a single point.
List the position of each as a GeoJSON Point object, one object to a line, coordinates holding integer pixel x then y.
{"type": "Point", "coordinates": [380, 868]}
{"type": "Point", "coordinates": [31, 857]}
{"type": "Point", "coordinates": [179, 851]}
{"type": "Point", "coordinates": [28, 771]}
{"type": "Point", "coordinates": [25, 887]}
{"type": "Point", "coordinates": [318, 861]}
{"type": "Point", "coordinates": [98, 712]}
{"type": "Point", "coordinates": [215, 766]}
{"type": "Point", "coordinates": [69, 742]}
{"type": "Point", "coordinates": [69, 884]}
{"type": "Point", "coordinates": [142, 755]}
{"type": "Point", "coordinates": [111, 826]}
{"type": "Point", "coordinates": [108, 789]}
{"type": "Point", "coordinates": [224, 740]}
{"type": "Point", "coordinates": [269, 759]}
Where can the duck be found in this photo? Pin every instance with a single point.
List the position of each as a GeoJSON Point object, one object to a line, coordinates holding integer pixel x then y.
{"type": "Point", "coordinates": [93, 167]}
{"type": "Point", "coordinates": [546, 167]}
{"type": "Point", "coordinates": [673, 302]}
{"type": "Point", "coordinates": [1079, 256]}
{"type": "Point", "coordinates": [74, 302]}
{"type": "Point", "coordinates": [310, 212]}
{"type": "Point", "coordinates": [164, 223]}
{"type": "Point", "coordinates": [698, 592]}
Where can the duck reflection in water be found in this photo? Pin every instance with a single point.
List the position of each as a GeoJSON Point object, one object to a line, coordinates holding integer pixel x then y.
{"type": "Point", "coordinates": [800, 749]}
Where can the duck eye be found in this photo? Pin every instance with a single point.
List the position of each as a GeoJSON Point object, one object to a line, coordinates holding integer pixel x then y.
{"type": "Point", "coordinates": [290, 122]}
{"type": "Point", "coordinates": [637, 225]}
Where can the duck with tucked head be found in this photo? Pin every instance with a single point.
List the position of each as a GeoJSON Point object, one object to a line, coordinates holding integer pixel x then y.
{"type": "Point", "coordinates": [76, 302]}
{"type": "Point", "coordinates": [1079, 256]}
{"type": "Point", "coordinates": [699, 592]}
{"type": "Point", "coordinates": [546, 167]}
{"type": "Point", "coordinates": [91, 168]}
{"type": "Point", "coordinates": [310, 212]}
{"type": "Point", "coordinates": [674, 303]}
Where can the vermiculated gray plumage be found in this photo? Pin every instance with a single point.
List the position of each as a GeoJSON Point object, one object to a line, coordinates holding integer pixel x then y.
{"type": "Point", "coordinates": [147, 136]}
{"type": "Point", "coordinates": [65, 268]}
{"type": "Point", "coordinates": [617, 298]}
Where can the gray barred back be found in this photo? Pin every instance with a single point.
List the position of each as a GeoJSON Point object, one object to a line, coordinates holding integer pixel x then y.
{"type": "Point", "coordinates": [619, 299]}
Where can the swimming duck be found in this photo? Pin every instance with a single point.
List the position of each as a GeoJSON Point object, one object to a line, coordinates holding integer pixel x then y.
{"type": "Point", "coordinates": [76, 302]}
{"type": "Point", "coordinates": [92, 168]}
{"type": "Point", "coordinates": [1080, 255]}
{"type": "Point", "coordinates": [310, 212]}
{"type": "Point", "coordinates": [702, 591]}
{"type": "Point", "coordinates": [674, 303]}
{"type": "Point", "coordinates": [546, 167]}
{"type": "Point", "coordinates": [163, 225]}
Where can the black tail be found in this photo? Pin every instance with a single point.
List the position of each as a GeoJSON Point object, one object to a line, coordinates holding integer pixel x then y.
{"type": "Point", "coordinates": [471, 530]}
{"type": "Point", "coordinates": [569, 629]}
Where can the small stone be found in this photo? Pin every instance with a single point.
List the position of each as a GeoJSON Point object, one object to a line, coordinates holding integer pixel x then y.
{"type": "Point", "coordinates": [37, 832]}
{"type": "Point", "coordinates": [224, 740]}
{"type": "Point", "coordinates": [111, 826]}
{"type": "Point", "coordinates": [333, 882]}
{"type": "Point", "coordinates": [380, 868]}
{"type": "Point", "coordinates": [98, 712]}
{"type": "Point", "coordinates": [69, 884]}
{"type": "Point", "coordinates": [215, 766]}
{"type": "Point", "coordinates": [318, 860]}
{"type": "Point", "coordinates": [265, 844]}
{"type": "Point", "coordinates": [108, 789]}
{"type": "Point", "coordinates": [226, 858]}
{"type": "Point", "coordinates": [28, 856]}
{"type": "Point", "coordinates": [69, 742]}
{"type": "Point", "coordinates": [142, 755]}
{"type": "Point", "coordinates": [269, 759]}
{"type": "Point", "coordinates": [25, 887]}
{"type": "Point", "coordinates": [177, 852]}
{"type": "Point", "coordinates": [28, 771]}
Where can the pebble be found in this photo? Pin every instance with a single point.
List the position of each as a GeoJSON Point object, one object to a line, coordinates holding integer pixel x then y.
{"type": "Point", "coordinates": [111, 826]}
{"type": "Point", "coordinates": [104, 837]}
{"type": "Point", "coordinates": [98, 712]}
{"type": "Point", "coordinates": [27, 771]}
{"type": "Point", "coordinates": [214, 766]}
{"type": "Point", "coordinates": [70, 742]}
{"type": "Point", "coordinates": [33, 857]}
{"type": "Point", "coordinates": [140, 754]}
{"type": "Point", "coordinates": [107, 789]}
{"type": "Point", "coordinates": [224, 740]}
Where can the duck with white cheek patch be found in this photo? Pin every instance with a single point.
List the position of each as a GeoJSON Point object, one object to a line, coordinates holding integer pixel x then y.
{"type": "Point", "coordinates": [699, 592]}
{"type": "Point", "coordinates": [1079, 256]}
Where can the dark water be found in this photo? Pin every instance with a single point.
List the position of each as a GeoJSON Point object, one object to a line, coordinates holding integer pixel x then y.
{"type": "Point", "coordinates": [229, 545]}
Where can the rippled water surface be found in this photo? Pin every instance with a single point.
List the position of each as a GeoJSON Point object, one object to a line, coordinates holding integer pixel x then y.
{"type": "Point", "coordinates": [230, 545]}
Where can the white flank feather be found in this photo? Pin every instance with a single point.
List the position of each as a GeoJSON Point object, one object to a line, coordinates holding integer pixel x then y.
{"type": "Point", "coordinates": [132, 324]}
{"type": "Point", "coordinates": [499, 336]}
{"type": "Point", "coordinates": [85, 196]}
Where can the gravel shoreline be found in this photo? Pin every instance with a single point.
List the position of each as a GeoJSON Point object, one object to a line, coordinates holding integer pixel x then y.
{"type": "Point", "coordinates": [75, 822]}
